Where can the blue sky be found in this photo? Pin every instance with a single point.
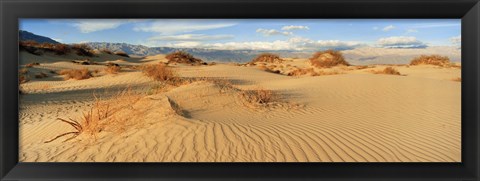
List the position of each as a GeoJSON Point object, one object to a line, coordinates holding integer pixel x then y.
{"type": "Point", "coordinates": [264, 34]}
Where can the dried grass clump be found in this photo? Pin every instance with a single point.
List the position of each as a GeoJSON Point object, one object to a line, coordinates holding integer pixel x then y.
{"type": "Point", "coordinates": [437, 60]}
{"type": "Point", "coordinates": [102, 116]}
{"type": "Point", "coordinates": [41, 75]}
{"type": "Point", "coordinates": [159, 72]}
{"type": "Point", "coordinates": [388, 71]}
{"type": "Point", "coordinates": [458, 79]}
{"type": "Point", "coordinates": [327, 59]}
{"type": "Point", "coordinates": [184, 58]}
{"type": "Point", "coordinates": [113, 69]}
{"type": "Point", "coordinates": [267, 57]}
{"type": "Point", "coordinates": [75, 74]}
{"type": "Point", "coordinates": [259, 96]}
{"type": "Point", "coordinates": [123, 54]}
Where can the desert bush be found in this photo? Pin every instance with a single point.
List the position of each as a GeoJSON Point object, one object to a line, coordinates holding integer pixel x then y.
{"type": "Point", "coordinates": [183, 57]}
{"type": "Point", "coordinates": [267, 57]}
{"type": "Point", "coordinates": [82, 50]}
{"type": "Point", "coordinates": [159, 72]}
{"type": "Point", "coordinates": [123, 54]}
{"type": "Point", "coordinates": [41, 75]}
{"type": "Point", "coordinates": [388, 71]}
{"type": "Point", "coordinates": [327, 59]}
{"type": "Point", "coordinates": [299, 72]}
{"type": "Point", "coordinates": [60, 49]}
{"type": "Point", "coordinates": [76, 74]}
{"type": "Point", "coordinates": [107, 51]}
{"type": "Point", "coordinates": [259, 96]}
{"type": "Point", "coordinates": [113, 69]}
{"type": "Point", "coordinates": [431, 60]}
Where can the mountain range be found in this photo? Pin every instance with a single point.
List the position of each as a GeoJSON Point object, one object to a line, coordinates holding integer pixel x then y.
{"type": "Point", "coordinates": [359, 56]}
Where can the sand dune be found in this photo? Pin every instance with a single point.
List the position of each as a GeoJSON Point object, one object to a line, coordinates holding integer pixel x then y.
{"type": "Point", "coordinates": [354, 116]}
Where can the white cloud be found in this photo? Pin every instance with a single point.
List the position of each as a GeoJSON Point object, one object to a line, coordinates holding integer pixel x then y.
{"type": "Point", "coordinates": [412, 30]}
{"type": "Point", "coordinates": [88, 26]}
{"type": "Point", "coordinates": [179, 26]}
{"type": "Point", "coordinates": [295, 43]}
{"type": "Point", "coordinates": [191, 37]}
{"type": "Point", "coordinates": [456, 40]}
{"type": "Point", "coordinates": [400, 42]}
{"type": "Point", "coordinates": [388, 28]}
{"type": "Point", "coordinates": [269, 32]}
{"type": "Point", "coordinates": [375, 28]}
{"type": "Point", "coordinates": [293, 27]}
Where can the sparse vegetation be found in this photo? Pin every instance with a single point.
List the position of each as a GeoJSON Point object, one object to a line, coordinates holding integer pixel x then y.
{"type": "Point", "coordinates": [112, 69]}
{"type": "Point", "coordinates": [159, 72]}
{"type": "Point", "coordinates": [327, 59]}
{"type": "Point", "coordinates": [107, 51]}
{"type": "Point", "coordinates": [267, 57]}
{"type": "Point", "coordinates": [75, 74]}
{"type": "Point", "coordinates": [300, 72]}
{"type": "Point", "coordinates": [102, 116]}
{"type": "Point", "coordinates": [58, 48]}
{"type": "Point", "coordinates": [259, 96]}
{"type": "Point", "coordinates": [388, 71]}
{"type": "Point", "coordinates": [184, 58]}
{"type": "Point", "coordinates": [437, 60]}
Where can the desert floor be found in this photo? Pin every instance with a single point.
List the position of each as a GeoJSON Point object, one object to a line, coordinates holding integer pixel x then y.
{"type": "Point", "coordinates": [351, 116]}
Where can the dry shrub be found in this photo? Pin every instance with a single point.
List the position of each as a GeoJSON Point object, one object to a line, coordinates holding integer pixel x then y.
{"type": "Point", "coordinates": [41, 75]}
{"type": "Point", "coordinates": [388, 71]}
{"type": "Point", "coordinates": [327, 59]}
{"type": "Point", "coordinates": [82, 50]}
{"type": "Point", "coordinates": [102, 116]}
{"type": "Point", "coordinates": [123, 54]}
{"type": "Point", "coordinates": [360, 67]}
{"type": "Point", "coordinates": [76, 74]}
{"type": "Point", "coordinates": [299, 72]}
{"type": "Point", "coordinates": [437, 60]}
{"type": "Point", "coordinates": [107, 51]}
{"type": "Point", "coordinates": [159, 72]}
{"type": "Point", "coordinates": [259, 96]}
{"type": "Point", "coordinates": [267, 57]}
{"type": "Point", "coordinates": [458, 79]}
{"type": "Point", "coordinates": [113, 69]}
{"type": "Point", "coordinates": [60, 49]}
{"type": "Point", "coordinates": [183, 57]}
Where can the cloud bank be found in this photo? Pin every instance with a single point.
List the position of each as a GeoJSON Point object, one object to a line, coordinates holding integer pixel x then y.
{"type": "Point", "coordinates": [400, 42]}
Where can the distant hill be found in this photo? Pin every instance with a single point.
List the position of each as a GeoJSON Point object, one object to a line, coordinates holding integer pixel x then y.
{"type": "Point", "coordinates": [25, 35]}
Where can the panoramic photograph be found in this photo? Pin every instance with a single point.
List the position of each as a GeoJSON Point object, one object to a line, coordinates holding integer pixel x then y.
{"type": "Point", "coordinates": [239, 90]}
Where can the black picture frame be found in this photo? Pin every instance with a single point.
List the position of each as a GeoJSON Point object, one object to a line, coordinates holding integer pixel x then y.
{"type": "Point", "coordinates": [11, 11]}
